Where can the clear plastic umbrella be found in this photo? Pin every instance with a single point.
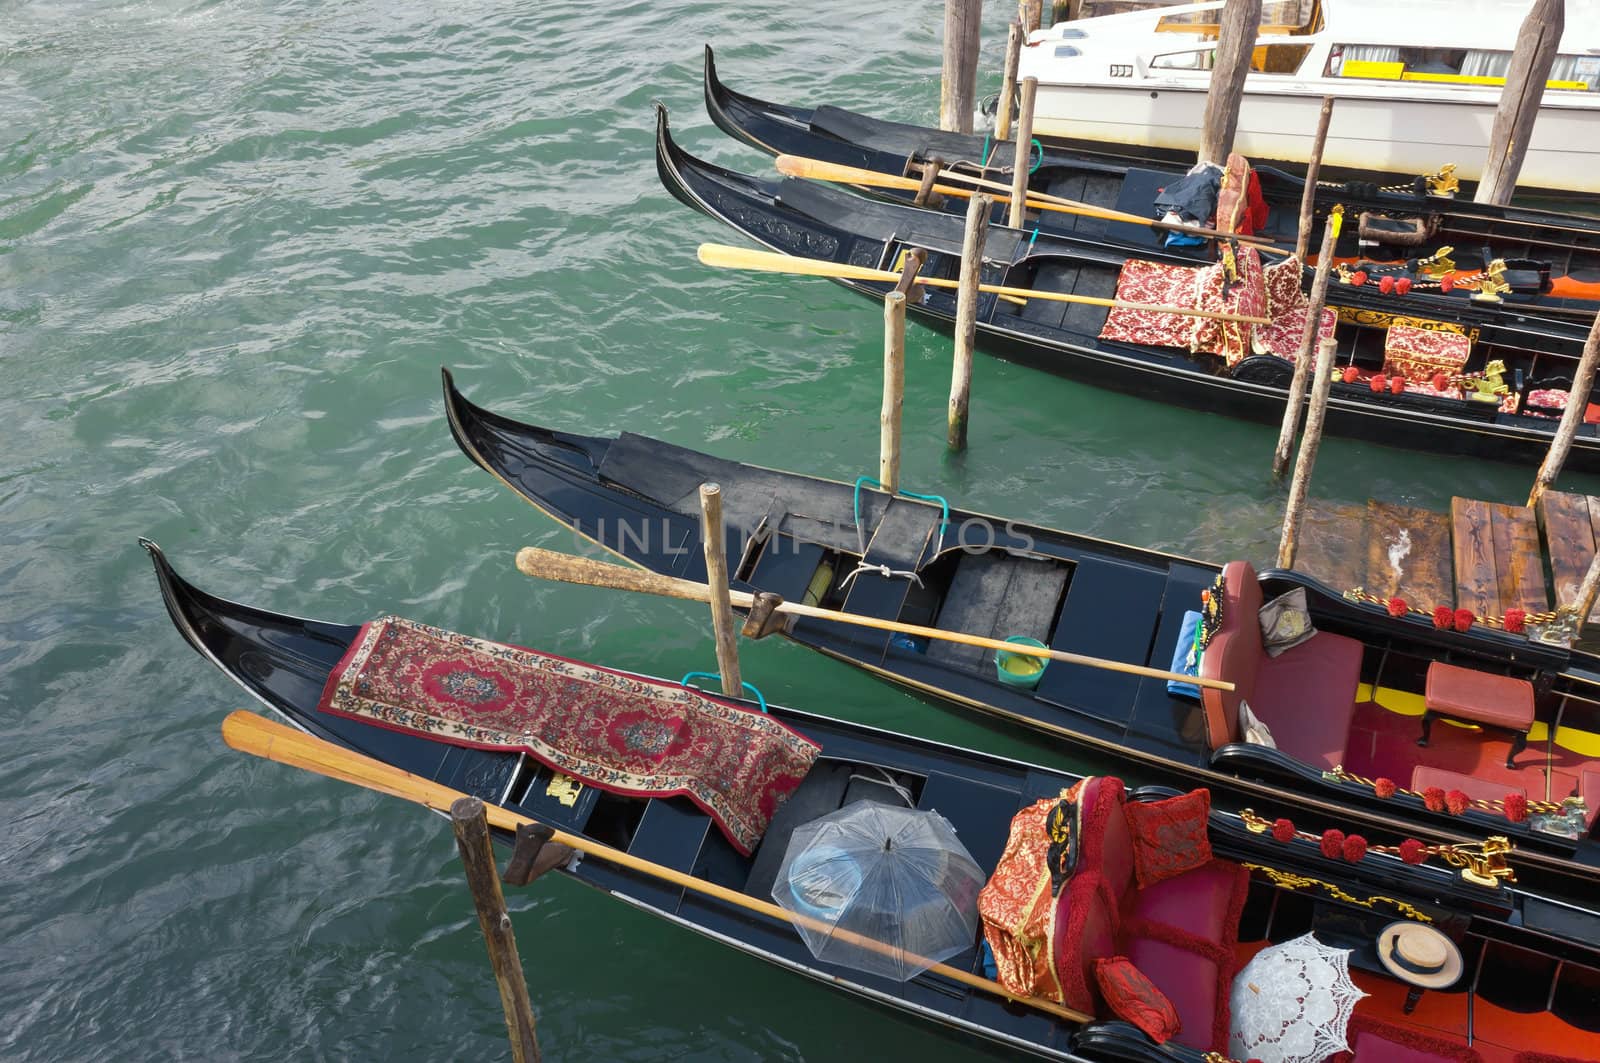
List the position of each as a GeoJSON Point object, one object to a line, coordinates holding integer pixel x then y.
{"type": "Point", "coordinates": [881, 889]}
{"type": "Point", "coordinates": [1292, 1003]}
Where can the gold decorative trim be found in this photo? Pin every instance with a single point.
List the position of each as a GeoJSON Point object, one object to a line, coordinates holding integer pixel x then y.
{"type": "Point", "coordinates": [1290, 881]}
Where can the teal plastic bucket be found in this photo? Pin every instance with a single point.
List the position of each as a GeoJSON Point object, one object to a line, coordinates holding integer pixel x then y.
{"type": "Point", "coordinates": [1020, 669]}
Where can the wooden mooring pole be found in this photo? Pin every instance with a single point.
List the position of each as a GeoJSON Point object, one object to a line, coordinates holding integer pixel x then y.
{"type": "Point", "coordinates": [1236, 41]}
{"type": "Point", "coordinates": [1308, 342]}
{"type": "Point", "coordinates": [894, 371]}
{"type": "Point", "coordinates": [1022, 156]}
{"type": "Point", "coordinates": [1031, 12]}
{"type": "Point", "coordinates": [471, 828]}
{"type": "Point", "coordinates": [1588, 591]}
{"type": "Point", "coordinates": [958, 84]}
{"type": "Point", "coordinates": [1008, 82]}
{"type": "Point", "coordinates": [1321, 384]}
{"type": "Point", "coordinates": [1531, 62]}
{"type": "Point", "coordinates": [1571, 417]}
{"type": "Point", "coordinates": [715, 537]}
{"type": "Point", "coordinates": [966, 335]}
{"type": "Point", "coordinates": [1308, 198]}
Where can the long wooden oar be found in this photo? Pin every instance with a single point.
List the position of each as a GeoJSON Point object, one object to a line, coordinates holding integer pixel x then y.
{"type": "Point", "coordinates": [818, 170]}
{"type": "Point", "coordinates": [260, 737]}
{"type": "Point", "coordinates": [726, 256]}
{"type": "Point", "coordinates": [565, 568]}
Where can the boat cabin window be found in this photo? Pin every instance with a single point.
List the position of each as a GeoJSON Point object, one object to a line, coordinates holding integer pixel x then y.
{"type": "Point", "coordinates": [1267, 58]}
{"type": "Point", "coordinates": [1453, 66]}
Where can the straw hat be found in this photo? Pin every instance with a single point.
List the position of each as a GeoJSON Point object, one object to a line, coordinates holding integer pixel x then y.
{"type": "Point", "coordinates": [1419, 954]}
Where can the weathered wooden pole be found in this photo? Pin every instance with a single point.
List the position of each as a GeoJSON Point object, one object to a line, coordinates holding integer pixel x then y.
{"type": "Point", "coordinates": [1300, 485]}
{"type": "Point", "coordinates": [1588, 591]}
{"type": "Point", "coordinates": [1236, 41]}
{"type": "Point", "coordinates": [471, 828]}
{"type": "Point", "coordinates": [1308, 340]}
{"type": "Point", "coordinates": [958, 84]}
{"type": "Point", "coordinates": [1031, 12]}
{"type": "Point", "coordinates": [966, 336]}
{"type": "Point", "coordinates": [1535, 54]}
{"type": "Point", "coordinates": [1008, 82]}
{"type": "Point", "coordinates": [1308, 198]}
{"type": "Point", "coordinates": [894, 389]}
{"type": "Point", "coordinates": [1022, 154]}
{"type": "Point", "coordinates": [715, 537]}
{"type": "Point", "coordinates": [1571, 417]}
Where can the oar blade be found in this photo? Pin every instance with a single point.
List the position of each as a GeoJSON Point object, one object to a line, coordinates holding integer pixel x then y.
{"type": "Point", "coordinates": [725, 256]}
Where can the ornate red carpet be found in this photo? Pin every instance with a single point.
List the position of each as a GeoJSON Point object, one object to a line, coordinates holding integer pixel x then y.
{"type": "Point", "coordinates": [613, 731]}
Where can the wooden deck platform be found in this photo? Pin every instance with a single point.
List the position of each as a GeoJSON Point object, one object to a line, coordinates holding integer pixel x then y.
{"type": "Point", "coordinates": [1483, 556]}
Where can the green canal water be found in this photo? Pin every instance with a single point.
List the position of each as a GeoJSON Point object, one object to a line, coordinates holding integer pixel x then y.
{"type": "Point", "coordinates": [237, 241]}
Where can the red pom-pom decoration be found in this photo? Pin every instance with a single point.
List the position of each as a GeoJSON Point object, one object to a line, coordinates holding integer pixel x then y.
{"type": "Point", "coordinates": [1516, 620]}
{"type": "Point", "coordinates": [1282, 831]}
{"type": "Point", "coordinates": [1397, 607]}
{"type": "Point", "coordinates": [1456, 802]}
{"type": "Point", "coordinates": [1333, 843]}
{"type": "Point", "coordinates": [1443, 617]}
{"type": "Point", "coordinates": [1379, 383]}
{"type": "Point", "coordinates": [1433, 799]}
{"type": "Point", "coordinates": [1464, 619]}
{"type": "Point", "coordinates": [1384, 788]}
{"type": "Point", "coordinates": [1397, 384]}
{"type": "Point", "coordinates": [1413, 851]}
{"type": "Point", "coordinates": [1516, 807]}
{"type": "Point", "coordinates": [1447, 285]}
{"type": "Point", "coordinates": [1402, 286]}
{"type": "Point", "coordinates": [1386, 285]}
{"type": "Point", "coordinates": [1440, 381]}
{"type": "Point", "coordinates": [1351, 374]}
{"type": "Point", "coordinates": [1358, 278]}
{"type": "Point", "coordinates": [1355, 847]}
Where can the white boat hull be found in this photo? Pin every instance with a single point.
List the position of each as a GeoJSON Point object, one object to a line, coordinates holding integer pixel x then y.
{"type": "Point", "coordinates": [1389, 135]}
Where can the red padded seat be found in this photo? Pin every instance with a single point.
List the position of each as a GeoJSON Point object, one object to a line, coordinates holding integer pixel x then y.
{"type": "Point", "coordinates": [1196, 901]}
{"type": "Point", "coordinates": [1190, 981]}
{"type": "Point", "coordinates": [1423, 777]}
{"type": "Point", "coordinates": [1482, 697]}
{"type": "Point", "coordinates": [1589, 790]}
{"type": "Point", "coordinates": [1306, 696]}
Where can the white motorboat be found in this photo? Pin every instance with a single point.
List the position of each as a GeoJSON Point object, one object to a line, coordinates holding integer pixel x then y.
{"type": "Point", "coordinates": [1417, 84]}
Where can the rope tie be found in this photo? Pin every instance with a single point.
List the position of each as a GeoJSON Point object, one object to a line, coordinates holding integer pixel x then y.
{"type": "Point", "coordinates": [886, 780]}
{"type": "Point", "coordinates": [883, 570]}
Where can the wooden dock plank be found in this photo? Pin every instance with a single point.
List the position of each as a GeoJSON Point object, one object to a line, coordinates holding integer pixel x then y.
{"type": "Point", "coordinates": [1569, 540]}
{"type": "Point", "coordinates": [1333, 544]}
{"type": "Point", "coordinates": [1519, 560]}
{"type": "Point", "coordinates": [1408, 554]}
{"type": "Point", "coordinates": [1472, 532]}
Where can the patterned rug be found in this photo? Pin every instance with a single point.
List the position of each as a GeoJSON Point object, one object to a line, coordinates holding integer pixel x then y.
{"type": "Point", "coordinates": [616, 732]}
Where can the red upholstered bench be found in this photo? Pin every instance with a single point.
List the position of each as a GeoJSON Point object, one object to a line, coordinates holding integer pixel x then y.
{"type": "Point", "coordinates": [1423, 777]}
{"type": "Point", "coordinates": [1306, 696]}
{"type": "Point", "coordinates": [1179, 932]}
{"type": "Point", "coordinates": [1589, 790]}
{"type": "Point", "coordinates": [1479, 697]}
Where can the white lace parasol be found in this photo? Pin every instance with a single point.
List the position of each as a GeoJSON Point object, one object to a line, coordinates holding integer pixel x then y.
{"type": "Point", "coordinates": [1291, 1003]}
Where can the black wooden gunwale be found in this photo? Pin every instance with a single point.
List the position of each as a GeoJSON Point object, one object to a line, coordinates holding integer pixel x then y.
{"type": "Point", "coordinates": [1406, 421]}
{"type": "Point", "coordinates": [247, 644]}
{"type": "Point", "coordinates": [885, 146]}
{"type": "Point", "coordinates": [573, 493]}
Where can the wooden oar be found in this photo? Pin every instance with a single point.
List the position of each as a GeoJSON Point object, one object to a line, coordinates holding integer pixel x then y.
{"type": "Point", "coordinates": [566, 568]}
{"type": "Point", "coordinates": [818, 170]}
{"type": "Point", "coordinates": [260, 737]}
{"type": "Point", "coordinates": [726, 256]}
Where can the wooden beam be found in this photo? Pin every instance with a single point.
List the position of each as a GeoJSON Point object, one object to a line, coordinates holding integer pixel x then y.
{"type": "Point", "coordinates": [959, 79]}
{"type": "Point", "coordinates": [1308, 339]}
{"type": "Point", "coordinates": [471, 826]}
{"type": "Point", "coordinates": [1571, 417]}
{"type": "Point", "coordinates": [1300, 486]}
{"type": "Point", "coordinates": [715, 538]}
{"type": "Point", "coordinates": [966, 334]}
{"type": "Point", "coordinates": [1477, 578]}
{"type": "Point", "coordinates": [1022, 153]}
{"type": "Point", "coordinates": [894, 390]}
{"type": "Point", "coordinates": [1008, 81]}
{"type": "Point", "coordinates": [1235, 45]}
{"type": "Point", "coordinates": [1308, 197]}
{"type": "Point", "coordinates": [1531, 61]}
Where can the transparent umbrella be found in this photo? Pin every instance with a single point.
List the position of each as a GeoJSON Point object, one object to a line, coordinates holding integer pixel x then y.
{"type": "Point", "coordinates": [881, 889]}
{"type": "Point", "coordinates": [1292, 1003]}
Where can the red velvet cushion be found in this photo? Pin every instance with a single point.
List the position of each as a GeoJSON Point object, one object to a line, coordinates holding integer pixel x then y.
{"type": "Point", "coordinates": [1194, 985]}
{"type": "Point", "coordinates": [1169, 837]}
{"type": "Point", "coordinates": [1133, 997]}
{"type": "Point", "coordinates": [1468, 694]}
{"type": "Point", "coordinates": [1198, 901]}
{"type": "Point", "coordinates": [1086, 926]}
{"type": "Point", "coordinates": [1104, 844]}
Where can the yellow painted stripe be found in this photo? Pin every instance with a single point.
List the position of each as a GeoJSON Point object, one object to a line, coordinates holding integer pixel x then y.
{"type": "Point", "coordinates": [1403, 703]}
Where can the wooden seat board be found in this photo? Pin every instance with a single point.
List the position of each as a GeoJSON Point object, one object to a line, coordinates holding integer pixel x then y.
{"type": "Point", "coordinates": [1567, 520]}
{"type": "Point", "coordinates": [1477, 580]}
{"type": "Point", "coordinates": [997, 595]}
{"type": "Point", "coordinates": [1333, 544]}
{"type": "Point", "coordinates": [1520, 562]}
{"type": "Point", "coordinates": [1408, 555]}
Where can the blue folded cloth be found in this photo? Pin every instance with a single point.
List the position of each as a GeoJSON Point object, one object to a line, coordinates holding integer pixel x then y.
{"type": "Point", "coordinates": [1185, 658]}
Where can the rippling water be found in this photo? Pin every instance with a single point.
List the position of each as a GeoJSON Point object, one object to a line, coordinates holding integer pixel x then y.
{"type": "Point", "coordinates": [237, 240]}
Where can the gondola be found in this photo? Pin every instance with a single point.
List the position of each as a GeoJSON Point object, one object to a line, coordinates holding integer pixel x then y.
{"type": "Point", "coordinates": [1559, 253]}
{"type": "Point", "coordinates": [1532, 359]}
{"type": "Point", "coordinates": [1250, 891]}
{"type": "Point", "coordinates": [1346, 714]}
